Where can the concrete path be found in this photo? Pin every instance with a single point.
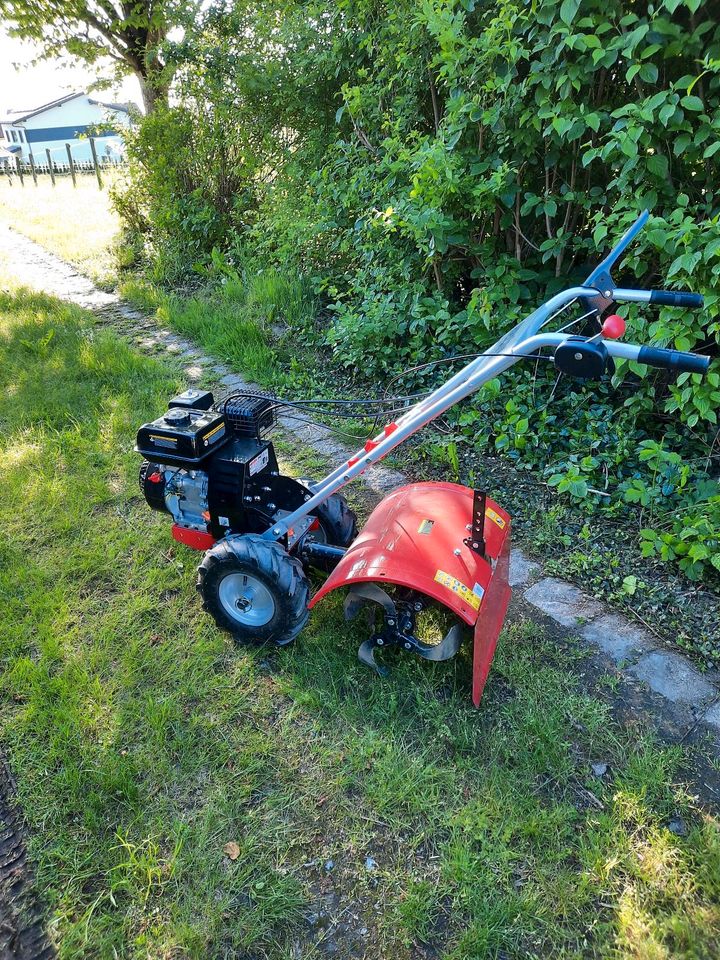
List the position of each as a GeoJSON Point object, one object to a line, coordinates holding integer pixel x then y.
{"type": "Point", "coordinates": [649, 679]}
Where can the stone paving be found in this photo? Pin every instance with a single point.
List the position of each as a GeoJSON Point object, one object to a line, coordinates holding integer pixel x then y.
{"type": "Point", "coordinates": [672, 687]}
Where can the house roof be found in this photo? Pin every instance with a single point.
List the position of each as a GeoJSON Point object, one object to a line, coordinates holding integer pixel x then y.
{"type": "Point", "coordinates": [118, 107]}
{"type": "Point", "coordinates": [19, 116]}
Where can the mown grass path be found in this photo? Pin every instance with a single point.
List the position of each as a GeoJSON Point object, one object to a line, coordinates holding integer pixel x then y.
{"type": "Point", "coordinates": [189, 799]}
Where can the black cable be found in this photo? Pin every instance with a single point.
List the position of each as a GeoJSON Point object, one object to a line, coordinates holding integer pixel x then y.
{"type": "Point", "coordinates": [277, 402]}
{"type": "Point", "coordinates": [326, 426]}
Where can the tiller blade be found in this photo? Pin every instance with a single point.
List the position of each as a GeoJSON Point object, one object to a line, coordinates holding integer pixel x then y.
{"type": "Point", "coordinates": [398, 629]}
{"type": "Point", "coordinates": [441, 542]}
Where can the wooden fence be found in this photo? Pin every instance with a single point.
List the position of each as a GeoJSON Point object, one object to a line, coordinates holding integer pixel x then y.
{"type": "Point", "coordinates": [60, 166]}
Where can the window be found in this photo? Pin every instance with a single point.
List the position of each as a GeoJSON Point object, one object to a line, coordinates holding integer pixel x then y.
{"type": "Point", "coordinates": [14, 135]}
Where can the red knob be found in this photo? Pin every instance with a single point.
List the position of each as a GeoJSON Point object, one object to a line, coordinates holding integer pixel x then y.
{"type": "Point", "coordinates": [613, 327]}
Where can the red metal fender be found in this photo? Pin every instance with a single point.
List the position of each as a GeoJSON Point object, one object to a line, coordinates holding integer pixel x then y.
{"type": "Point", "coordinates": [414, 538]}
{"type": "Point", "coordinates": [195, 539]}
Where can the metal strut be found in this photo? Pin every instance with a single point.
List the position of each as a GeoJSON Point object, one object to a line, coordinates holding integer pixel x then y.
{"type": "Point", "coordinates": [476, 540]}
{"type": "Point", "coordinates": [398, 628]}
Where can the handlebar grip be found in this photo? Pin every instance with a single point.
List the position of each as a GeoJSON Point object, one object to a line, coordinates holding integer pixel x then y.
{"type": "Point", "coordinates": [674, 360]}
{"type": "Point", "coordinates": [675, 298]}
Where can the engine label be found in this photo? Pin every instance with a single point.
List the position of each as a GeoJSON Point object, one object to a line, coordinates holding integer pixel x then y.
{"type": "Point", "coordinates": [256, 465]}
{"type": "Point", "coordinates": [457, 586]}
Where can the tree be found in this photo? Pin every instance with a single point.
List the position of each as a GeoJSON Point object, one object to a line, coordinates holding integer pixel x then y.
{"type": "Point", "coordinates": [129, 32]}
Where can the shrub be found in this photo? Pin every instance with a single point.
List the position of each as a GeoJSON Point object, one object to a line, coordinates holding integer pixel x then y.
{"type": "Point", "coordinates": [433, 170]}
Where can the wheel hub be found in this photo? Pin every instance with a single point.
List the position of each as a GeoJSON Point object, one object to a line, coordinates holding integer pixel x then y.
{"type": "Point", "coordinates": [246, 599]}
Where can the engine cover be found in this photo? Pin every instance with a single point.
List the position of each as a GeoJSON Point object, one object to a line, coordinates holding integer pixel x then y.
{"type": "Point", "coordinates": [182, 436]}
{"type": "Point", "coordinates": [210, 470]}
{"type": "Point", "coordinates": [238, 490]}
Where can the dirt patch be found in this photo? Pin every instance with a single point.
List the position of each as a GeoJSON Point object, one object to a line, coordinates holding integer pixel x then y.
{"type": "Point", "coordinates": [22, 927]}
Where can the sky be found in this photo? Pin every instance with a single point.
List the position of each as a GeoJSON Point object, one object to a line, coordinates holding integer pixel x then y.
{"type": "Point", "coordinates": [26, 87]}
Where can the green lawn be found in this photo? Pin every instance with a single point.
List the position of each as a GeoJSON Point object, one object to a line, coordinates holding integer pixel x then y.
{"type": "Point", "coordinates": [144, 743]}
{"type": "Point", "coordinates": [77, 224]}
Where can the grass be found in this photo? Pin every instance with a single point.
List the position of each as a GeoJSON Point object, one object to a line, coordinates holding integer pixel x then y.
{"type": "Point", "coordinates": [77, 224]}
{"type": "Point", "coordinates": [234, 320]}
{"type": "Point", "coordinates": [382, 819]}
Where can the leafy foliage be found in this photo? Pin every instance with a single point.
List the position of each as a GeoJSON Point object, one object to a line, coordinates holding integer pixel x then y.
{"type": "Point", "coordinates": [436, 168]}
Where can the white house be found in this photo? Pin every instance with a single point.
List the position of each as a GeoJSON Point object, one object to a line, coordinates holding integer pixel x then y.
{"type": "Point", "coordinates": [62, 121]}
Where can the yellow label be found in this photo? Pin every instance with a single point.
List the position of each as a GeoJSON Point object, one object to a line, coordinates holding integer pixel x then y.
{"type": "Point", "coordinates": [426, 526]}
{"type": "Point", "coordinates": [154, 436]}
{"type": "Point", "coordinates": [457, 586]}
{"type": "Point", "coordinates": [215, 430]}
{"type": "Point", "coordinates": [495, 517]}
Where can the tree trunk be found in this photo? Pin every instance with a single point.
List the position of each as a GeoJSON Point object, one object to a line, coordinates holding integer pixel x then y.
{"type": "Point", "coordinates": [154, 92]}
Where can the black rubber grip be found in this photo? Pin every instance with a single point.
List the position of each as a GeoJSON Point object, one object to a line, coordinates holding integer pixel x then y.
{"type": "Point", "coordinates": [673, 298]}
{"type": "Point", "coordinates": [674, 360]}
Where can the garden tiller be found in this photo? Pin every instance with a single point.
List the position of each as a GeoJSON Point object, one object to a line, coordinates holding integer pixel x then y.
{"type": "Point", "coordinates": [426, 546]}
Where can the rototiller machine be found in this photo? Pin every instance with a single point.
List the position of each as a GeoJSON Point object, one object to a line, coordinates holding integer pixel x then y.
{"type": "Point", "coordinates": [208, 465]}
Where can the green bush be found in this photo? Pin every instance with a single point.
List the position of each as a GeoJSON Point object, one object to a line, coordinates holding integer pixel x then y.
{"type": "Point", "coordinates": [434, 169]}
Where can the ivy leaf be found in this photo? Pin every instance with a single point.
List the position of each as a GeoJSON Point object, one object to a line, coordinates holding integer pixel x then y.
{"type": "Point", "coordinates": [629, 585]}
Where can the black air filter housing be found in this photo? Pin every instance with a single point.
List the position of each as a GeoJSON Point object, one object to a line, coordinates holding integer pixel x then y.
{"type": "Point", "coordinates": [193, 399]}
{"type": "Point", "coordinates": [249, 415]}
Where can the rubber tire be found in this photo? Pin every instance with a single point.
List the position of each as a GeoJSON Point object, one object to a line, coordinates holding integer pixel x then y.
{"type": "Point", "coordinates": [338, 521]}
{"type": "Point", "coordinates": [270, 563]}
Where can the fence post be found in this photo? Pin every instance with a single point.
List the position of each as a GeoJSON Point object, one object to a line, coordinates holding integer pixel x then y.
{"type": "Point", "coordinates": [19, 169]}
{"type": "Point", "coordinates": [32, 167]}
{"type": "Point", "coordinates": [95, 162]}
{"type": "Point", "coordinates": [71, 164]}
{"type": "Point", "coordinates": [50, 166]}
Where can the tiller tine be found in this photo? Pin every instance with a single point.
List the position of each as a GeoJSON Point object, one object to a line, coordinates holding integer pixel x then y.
{"type": "Point", "coordinates": [366, 656]}
{"type": "Point", "coordinates": [398, 628]}
{"type": "Point", "coordinates": [445, 650]}
{"type": "Point", "coordinates": [362, 593]}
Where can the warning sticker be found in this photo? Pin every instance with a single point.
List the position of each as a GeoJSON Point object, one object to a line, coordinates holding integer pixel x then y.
{"type": "Point", "coordinates": [457, 586]}
{"type": "Point", "coordinates": [256, 465]}
{"type": "Point", "coordinates": [426, 526]}
{"type": "Point", "coordinates": [495, 517]}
